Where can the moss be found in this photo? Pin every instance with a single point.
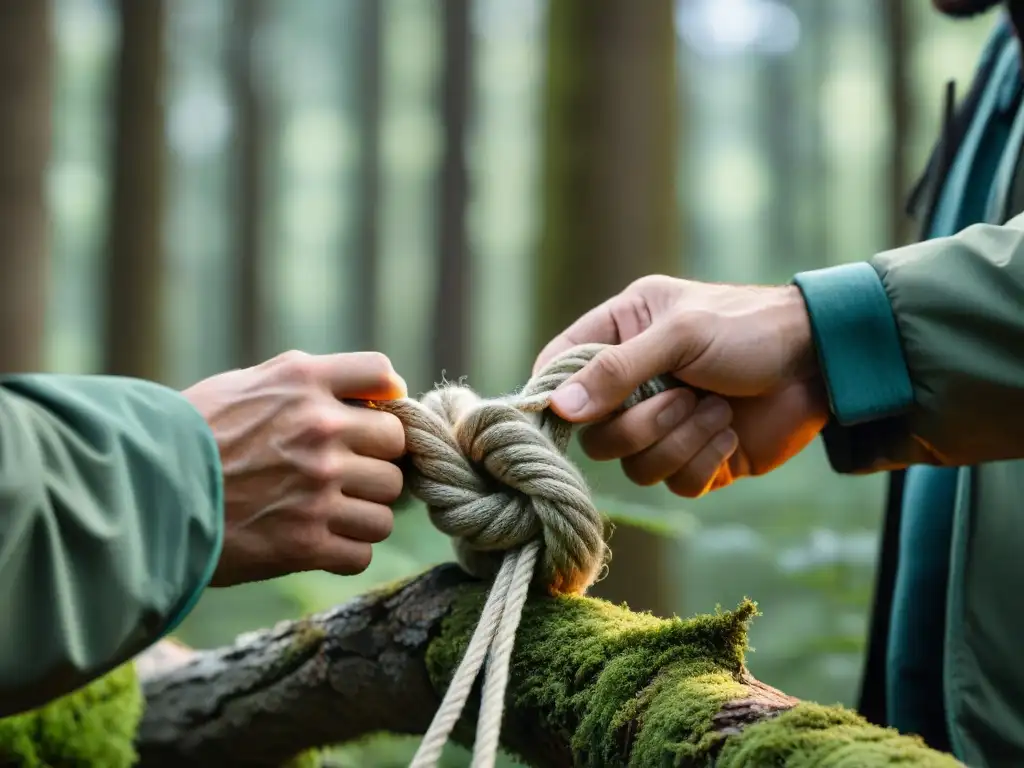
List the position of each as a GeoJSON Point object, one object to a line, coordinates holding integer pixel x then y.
{"type": "Point", "coordinates": [829, 737]}
{"type": "Point", "coordinates": [629, 689]}
{"type": "Point", "coordinates": [94, 726]}
{"type": "Point", "coordinates": [580, 663]}
{"type": "Point", "coordinates": [310, 759]}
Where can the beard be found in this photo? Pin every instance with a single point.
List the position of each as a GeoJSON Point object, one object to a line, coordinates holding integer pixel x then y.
{"type": "Point", "coordinates": [964, 9]}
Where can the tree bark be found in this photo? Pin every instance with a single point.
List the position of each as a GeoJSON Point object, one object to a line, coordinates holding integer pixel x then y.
{"type": "Point", "coordinates": [249, 310]}
{"type": "Point", "coordinates": [591, 684]}
{"type": "Point", "coordinates": [369, 92]}
{"type": "Point", "coordinates": [610, 209]}
{"type": "Point", "coordinates": [451, 307]}
{"type": "Point", "coordinates": [898, 76]}
{"type": "Point", "coordinates": [26, 64]}
{"type": "Point", "coordinates": [134, 317]}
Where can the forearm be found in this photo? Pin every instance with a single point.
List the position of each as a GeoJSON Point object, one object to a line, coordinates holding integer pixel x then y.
{"type": "Point", "coordinates": [111, 503]}
{"type": "Point", "coordinates": [929, 369]}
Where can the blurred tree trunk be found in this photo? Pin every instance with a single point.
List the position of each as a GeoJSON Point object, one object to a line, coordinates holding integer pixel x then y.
{"type": "Point", "coordinates": [451, 309]}
{"type": "Point", "coordinates": [133, 329]}
{"type": "Point", "coordinates": [368, 110]}
{"type": "Point", "coordinates": [610, 211]}
{"type": "Point", "coordinates": [26, 62]}
{"type": "Point", "coordinates": [249, 311]}
{"type": "Point", "coordinates": [897, 42]}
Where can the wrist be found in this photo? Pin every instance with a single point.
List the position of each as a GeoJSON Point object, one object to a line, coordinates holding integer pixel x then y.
{"type": "Point", "coordinates": [798, 337]}
{"type": "Point", "coordinates": [857, 342]}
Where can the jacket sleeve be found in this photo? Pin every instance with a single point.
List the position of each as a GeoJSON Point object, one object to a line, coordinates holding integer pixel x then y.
{"type": "Point", "coordinates": [110, 526]}
{"type": "Point", "coordinates": [922, 351]}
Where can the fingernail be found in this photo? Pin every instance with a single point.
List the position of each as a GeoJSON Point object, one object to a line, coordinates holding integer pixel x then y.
{"type": "Point", "coordinates": [571, 400]}
{"type": "Point", "coordinates": [672, 414]}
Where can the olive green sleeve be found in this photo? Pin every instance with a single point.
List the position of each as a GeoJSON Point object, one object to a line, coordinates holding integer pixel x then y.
{"type": "Point", "coordinates": [111, 524]}
{"type": "Point", "coordinates": [934, 373]}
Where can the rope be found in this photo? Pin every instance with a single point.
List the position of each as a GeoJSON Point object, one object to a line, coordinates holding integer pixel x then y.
{"type": "Point", "coordinates": [494, 476]}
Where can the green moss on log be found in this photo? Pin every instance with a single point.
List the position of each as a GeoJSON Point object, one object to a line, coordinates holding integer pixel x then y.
{"type": "Point", "coordinates": [831, 737]}
{"type": "Point", "coordinates": [94, 726]}
{"type": "Point", "coordinates": [627, 688]}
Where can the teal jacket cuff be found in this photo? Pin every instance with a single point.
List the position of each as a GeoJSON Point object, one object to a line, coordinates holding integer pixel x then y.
{"type": "Point", "coordinates": [857, 342]}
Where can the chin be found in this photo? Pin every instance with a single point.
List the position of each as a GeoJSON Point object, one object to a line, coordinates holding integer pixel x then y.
{"type": "Point", "coordinates": [963, 9]}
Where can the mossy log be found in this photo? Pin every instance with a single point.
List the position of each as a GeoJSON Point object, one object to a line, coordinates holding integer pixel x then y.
{"type": "Point", "coordinates": [592, 684]}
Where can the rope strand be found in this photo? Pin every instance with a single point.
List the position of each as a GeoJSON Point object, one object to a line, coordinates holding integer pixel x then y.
{"type": "Point", "coordinates": [494, 476]}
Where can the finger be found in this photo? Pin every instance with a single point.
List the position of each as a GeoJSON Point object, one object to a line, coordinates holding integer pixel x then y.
{"type": "Point", "coordinates": [343, 556]}
{"type": "Point", "coordinates": [674, 451]}
{"type": "Point", "coordinates": [371, 480]}
{"type": "Point", "coordinates": [360, 376]}
{"type": "Point", "coordinates": [640, 427]}
{"type": "Point", "coordinates": [371, 432]}
{"type": "Point", "coordinates": [605, 383]}
{"type": "Point", "coordinates": [707, 470]}
{"type": "Point", "coordinates": [596, 326]}
{"type": "Point", "coordinates": [361, 520]}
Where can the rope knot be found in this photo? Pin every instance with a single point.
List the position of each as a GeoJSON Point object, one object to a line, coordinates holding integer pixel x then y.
{"type": "Point", "coordinates": [494, 477]}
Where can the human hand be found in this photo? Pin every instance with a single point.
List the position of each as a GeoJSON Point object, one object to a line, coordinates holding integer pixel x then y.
{"type": "Point", "coordinates": [308, 479]}
{"type": "Point", "coordinates": [748, 348]}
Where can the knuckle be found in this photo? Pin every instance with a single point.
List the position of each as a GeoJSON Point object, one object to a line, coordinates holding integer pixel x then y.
{"type": "Point", "coordinates": [325, 466]}
{"type": "Point", "coordinates": [320, 423]}
{"type": "Point", "coordinates": [648, 283]}
{"type": "Point", "coordinates": [296, 365]}
{"type": "Point", "coordinates": [611, 364]}
{"type": "Point", "coordinates": [376, 364]}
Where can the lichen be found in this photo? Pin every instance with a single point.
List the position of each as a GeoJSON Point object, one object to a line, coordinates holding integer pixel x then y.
{"type": "Point", "coordinates": [94, 726]}
{"type": "Point", "coordinates": [627, 688]}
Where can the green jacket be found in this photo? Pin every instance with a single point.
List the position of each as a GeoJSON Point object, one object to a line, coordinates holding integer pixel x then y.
{"type": "Point", "coordinates": [922, 349]}
{"type": "Point", "coordinates": [111, 524]}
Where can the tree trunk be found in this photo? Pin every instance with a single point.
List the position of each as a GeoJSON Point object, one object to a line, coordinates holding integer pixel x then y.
{"type": "Point", "coordinates": [897, 41]}
{"type": "Point", "coordinates": [367, 225]}
{"type": "Point", "coordinates": [26, 64]}
{"type": "Point", "coordinates": [249, 124]}
{"type": "Point", "coordinates": [134, 315]}
{"type": "Point", "coordinates": [591, 684]}
{"type": "Point", "coordinates": [451, 308]}
{"type": "Point", "coordinates": [610, 210]}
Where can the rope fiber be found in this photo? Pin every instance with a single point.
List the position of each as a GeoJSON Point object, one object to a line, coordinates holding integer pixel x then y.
{"type": "Point", "coordinates": [495, 478]}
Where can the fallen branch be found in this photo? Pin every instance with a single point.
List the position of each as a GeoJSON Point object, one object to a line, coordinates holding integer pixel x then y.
{"type": "Point", "coordinates": [591, 684]}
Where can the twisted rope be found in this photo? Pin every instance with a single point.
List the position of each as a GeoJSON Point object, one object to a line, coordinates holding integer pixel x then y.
{"type": "Point", "coordinates": [494, 476]}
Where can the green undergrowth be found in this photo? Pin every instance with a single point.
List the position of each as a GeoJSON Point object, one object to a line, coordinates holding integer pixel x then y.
{"type": "Point", "coordinates": [630, 689]}
{"type": "Point", "coordinates": [94, 726]}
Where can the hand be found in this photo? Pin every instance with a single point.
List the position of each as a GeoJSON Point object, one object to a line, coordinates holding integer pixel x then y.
{"type": "Point", "coordinates": [749, 348]}
{"type": "Point", "coordinates": [308, 479]}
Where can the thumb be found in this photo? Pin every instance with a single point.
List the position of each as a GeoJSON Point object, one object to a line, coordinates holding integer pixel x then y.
{"type": "Point", "coordinates": [609, 379]}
